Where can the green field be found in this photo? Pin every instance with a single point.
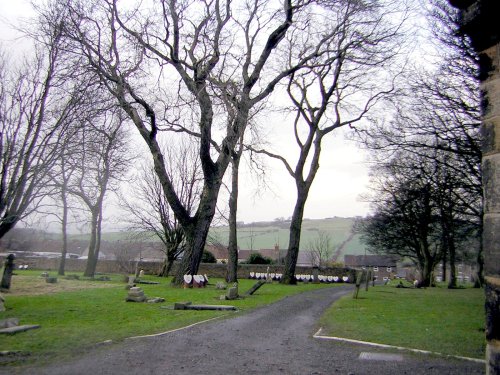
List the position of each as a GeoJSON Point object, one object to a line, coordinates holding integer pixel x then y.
{"type": "Point", "coordinates": [434, 319]}
{"type": "Point", "coordinates": [266, 235]}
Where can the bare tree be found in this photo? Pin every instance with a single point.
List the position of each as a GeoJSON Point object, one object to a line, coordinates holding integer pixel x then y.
{"type": "Point", "coordinates": [98, 163]}
{"type": "Point", "coordinates": [36, 105]}
{"type": "Point", "coordinates": [339, 88]}
{"type": "Point", "coordinates": [150, 213]}
{"type": "Point", "coordinates": [321, 249]}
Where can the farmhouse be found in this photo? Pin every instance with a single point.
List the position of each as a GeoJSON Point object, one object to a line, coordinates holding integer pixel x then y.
{"type": "Point", "coordinates": [383, 266]}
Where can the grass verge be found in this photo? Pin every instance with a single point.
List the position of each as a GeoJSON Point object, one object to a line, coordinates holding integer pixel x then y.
{"type": "Point", "coordinates": [77, 314]}
{"type": "Point", "coordinates": [434, 319]}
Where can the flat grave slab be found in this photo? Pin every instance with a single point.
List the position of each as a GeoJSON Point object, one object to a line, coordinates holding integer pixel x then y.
{"type": "Point", "coordinates": [367, 356]}
{"type": "Point", "coordinates": [16, 329]}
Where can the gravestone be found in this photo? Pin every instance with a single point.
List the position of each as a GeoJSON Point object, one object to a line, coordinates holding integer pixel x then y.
{"type": "Point", "coordinates": [51, 280]}
{"type": "Point", "coordinates": [232, 292]}
{"type": "Point", "coordinates": [2, 306]}
{"type": "Point", "coordinates": [188, 279]}
{"type": "Point", "coordinates": [135, 294]}
{"type": "Point", "coordinates": [220, 285]}
{"type": "Point", "coordinates": [9, 322]}
{"type": "Point", "coordinates": [254, 288]}
{"type": "Point", "coordinates": [7, 272]}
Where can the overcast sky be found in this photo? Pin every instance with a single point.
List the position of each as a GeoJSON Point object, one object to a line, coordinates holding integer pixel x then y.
{"type": "Point", "coordinates": [342, 177]}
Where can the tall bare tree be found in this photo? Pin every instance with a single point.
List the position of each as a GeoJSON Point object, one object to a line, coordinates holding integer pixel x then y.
{"type": "Point", "coordinates": [99, 162]}
{"type": "Point", "coordinates": [338, 88]}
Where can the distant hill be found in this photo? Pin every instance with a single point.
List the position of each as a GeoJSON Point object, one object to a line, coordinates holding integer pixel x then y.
{"type": "Point", "coordinates": [265, 235]}
{"type": "Point", "coordinates": [251, 236]}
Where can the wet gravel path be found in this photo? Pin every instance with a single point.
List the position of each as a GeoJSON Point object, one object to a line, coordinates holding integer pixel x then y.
{"type": "Point", "coordinates": [276, 339]}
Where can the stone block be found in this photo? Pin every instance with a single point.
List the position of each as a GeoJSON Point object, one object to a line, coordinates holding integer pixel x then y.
{"type": "Point", "coordinates": [9, 322]}
{"type": "Point", "coordinates": [51, 280]}
{"type": "Point", "coordinates": [491, 244]}
{"type": "Point", "coordinates": [491, 183]}
{"type": "Point", "coordinates": [492, 308]}
{"type": "Point", "coordinates": [493, 357]}
{"type": "Point", "coordinates": [490, 133]}
{"type": "Point", "coordinates": [491, 88]}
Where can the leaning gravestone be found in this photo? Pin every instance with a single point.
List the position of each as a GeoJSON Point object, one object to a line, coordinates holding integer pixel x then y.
{"type": "Point", "coordinates": [7, 272]}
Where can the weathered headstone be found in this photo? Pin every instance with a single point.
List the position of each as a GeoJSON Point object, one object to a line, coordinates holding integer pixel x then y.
{"type": "Point", "coordinates": [220, 285]}
{"type": "Point", "coordinates": [2, 301]}
{"type": "Point", "coordinates": [135, 294]}
{"type": "Point", "coordinates": [188, 280]}
{"type": "Point", "coordinates": [7, 272]}
{"type": "Point", "coordinates": [9, 322]}
{"type": "Point", "coordinates": [51, 280]}
{"type": "Point", "coordinates": [232, 292]}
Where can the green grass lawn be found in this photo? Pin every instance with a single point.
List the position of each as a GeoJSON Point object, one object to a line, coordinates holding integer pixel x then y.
{"type": "Point", "coordinates": [435, 319]}
{"type": "Point", "coordinates": [87, 312]}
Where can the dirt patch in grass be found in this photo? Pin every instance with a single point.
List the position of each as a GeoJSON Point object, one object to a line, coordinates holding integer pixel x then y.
{"type": "Point", "coordinates": [29, 285]}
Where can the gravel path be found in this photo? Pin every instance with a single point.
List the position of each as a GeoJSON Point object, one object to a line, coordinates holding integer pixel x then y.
{"type": "Point", "coordinates": [276, 339]}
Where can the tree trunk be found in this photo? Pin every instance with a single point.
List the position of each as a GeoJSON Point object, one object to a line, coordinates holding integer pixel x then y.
{"type": "Point", "coordinates": [232, 264]}
{"type": "Point", "coordinates": [294, 240]}
{"type": "Point", "coordinates": [64, 224]}
{"type": "Point", "coordinates": [196, 237]}
{"type": "Point", "coordinates": [7, 224]}
{"type": "Point", "coordinates": [93, 246]}
{"type": "Point", "coordinates": [453, 271]}
{"type": "Point", "coordinates": [445, 259]}
{"type": "Point", "coordinates": [426, 274]}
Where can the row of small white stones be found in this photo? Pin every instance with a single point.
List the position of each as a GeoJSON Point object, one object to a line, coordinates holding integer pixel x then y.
{"type": "Point", "coordinates": [330, 279]}
{"type": "Point", "coordinates": [197, 279]}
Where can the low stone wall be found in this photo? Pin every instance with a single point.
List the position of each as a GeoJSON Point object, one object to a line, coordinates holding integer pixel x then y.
{"type": "Point", "coordinates": [211, 270]}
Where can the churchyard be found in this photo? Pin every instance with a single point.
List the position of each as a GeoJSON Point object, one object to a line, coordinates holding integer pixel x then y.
{"type": "Point", "coordinates": [77, 314]}
{"type": "Point", "coordinates": [436, 319]}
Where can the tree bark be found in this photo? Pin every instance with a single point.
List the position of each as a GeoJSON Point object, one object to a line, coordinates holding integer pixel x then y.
{"type": "Point", "coordinates": [64, 224]}
{"type": "Point", "coordinates": [93, 245]}
{"type": "Point", "coordinates": [453, 270]}
{"type": "Point", "coordinates": [445, 259]}
{"type": "Point", "coordinates": [294, 239]}
{"type": "Point", "coordinates": [232, 264]}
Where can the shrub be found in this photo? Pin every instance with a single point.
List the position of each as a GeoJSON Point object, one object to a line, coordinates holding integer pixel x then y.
{"type": "Point", "coordinates": [208, 257]}
{"type": "Point", "coordinates": [257, 258]}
